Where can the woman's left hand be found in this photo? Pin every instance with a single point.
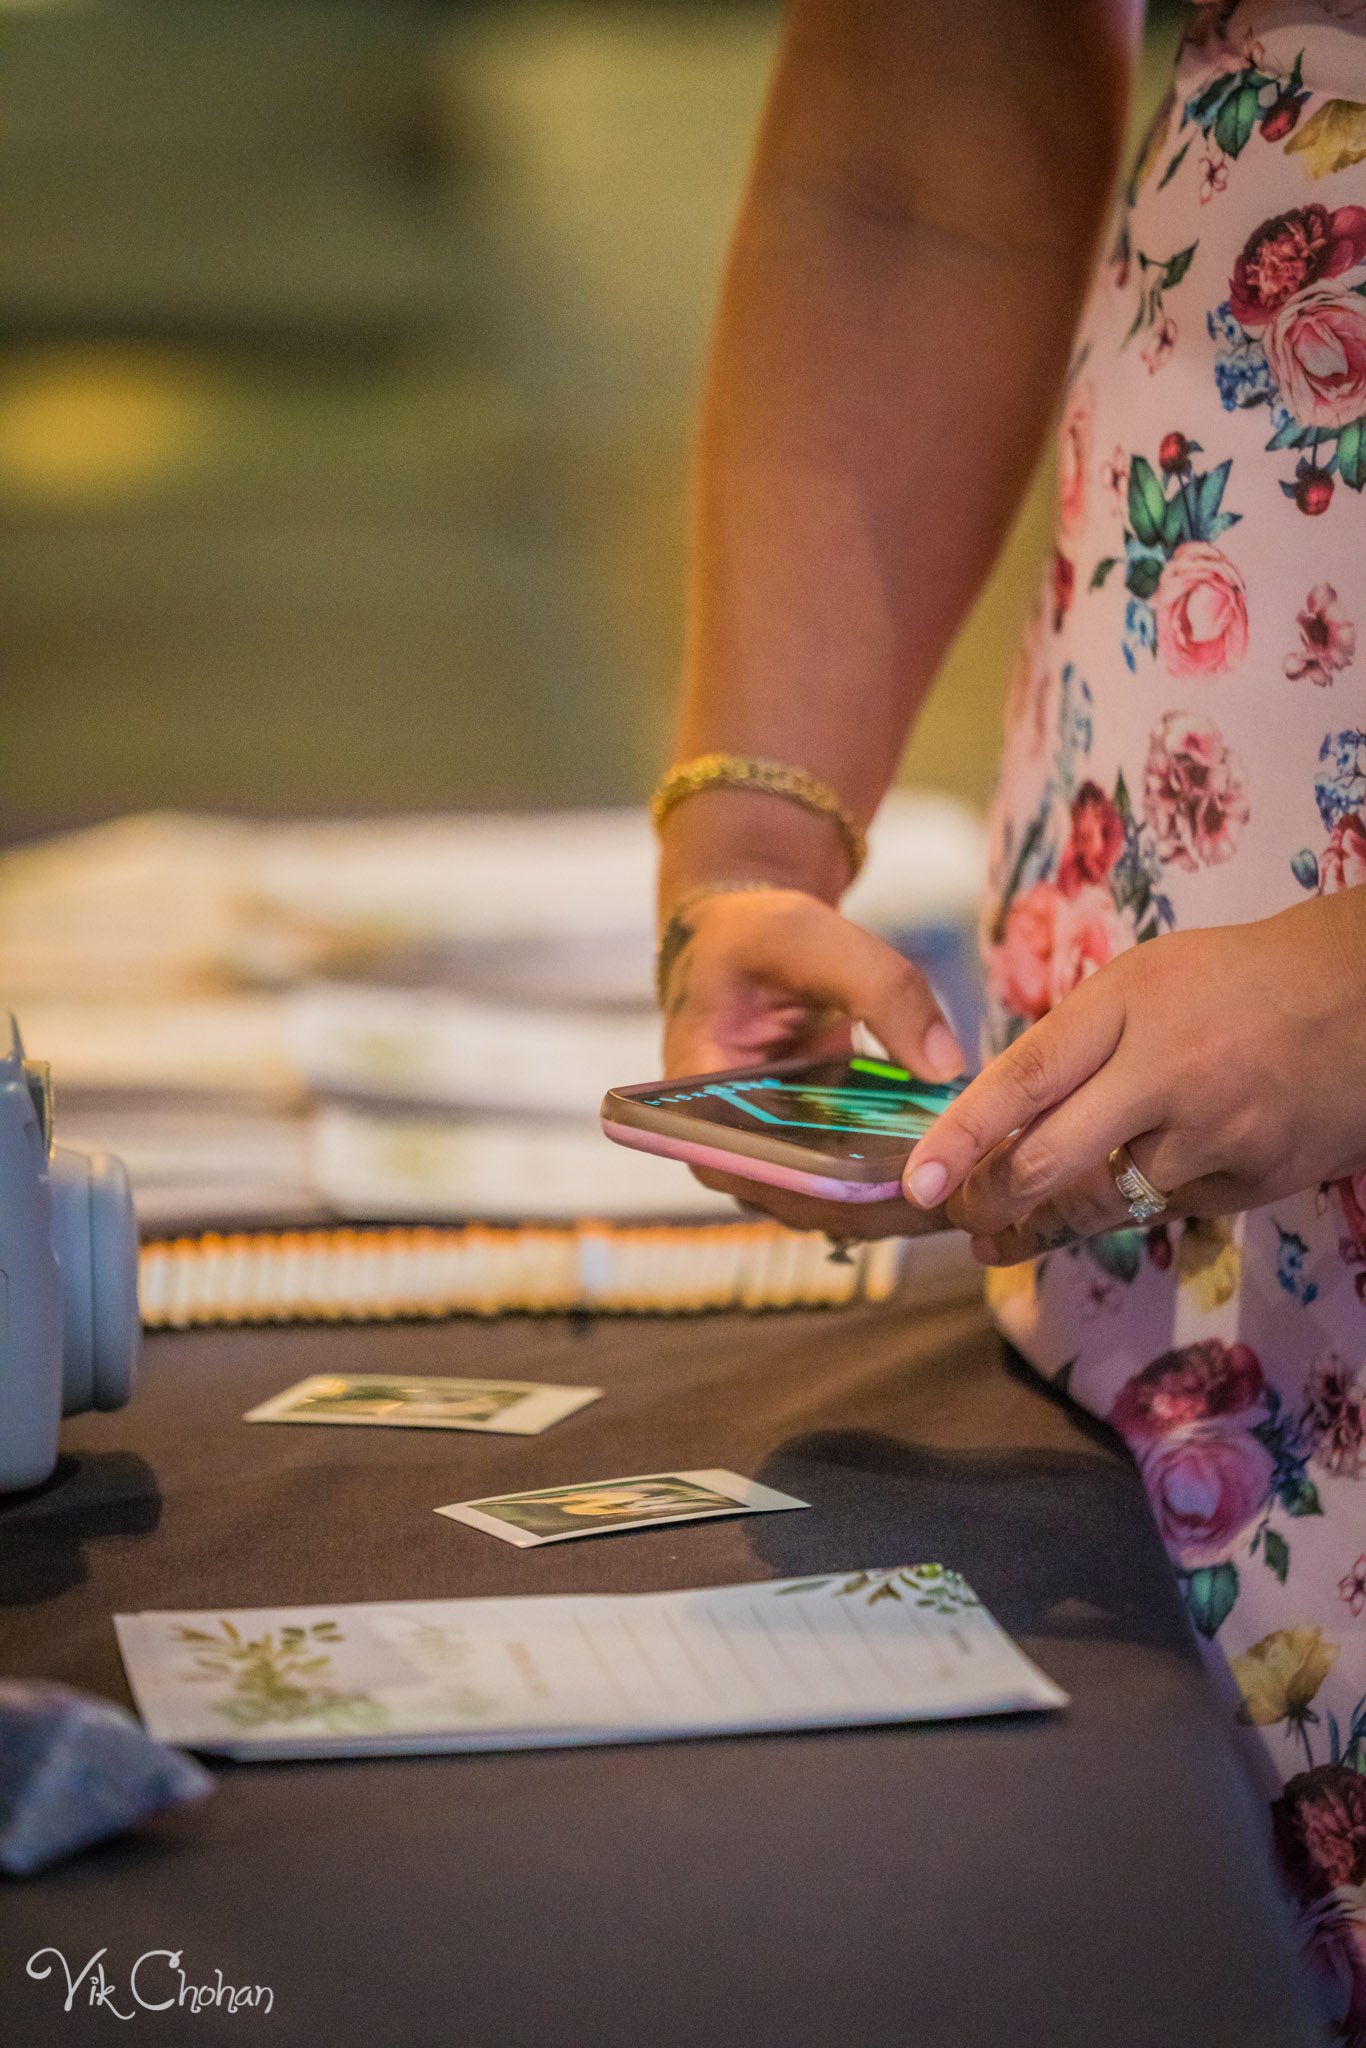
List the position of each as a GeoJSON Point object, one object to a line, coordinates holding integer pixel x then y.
{"type": "Point", "coordinates": [1231, 1062]}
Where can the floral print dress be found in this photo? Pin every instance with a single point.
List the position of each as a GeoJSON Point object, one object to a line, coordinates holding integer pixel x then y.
{"type": "Point", "coordinates": [1186, 747]}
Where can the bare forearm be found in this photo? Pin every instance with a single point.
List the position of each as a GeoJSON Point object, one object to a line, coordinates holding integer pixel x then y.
{"type": "Point", "coordinates": [893, 331]}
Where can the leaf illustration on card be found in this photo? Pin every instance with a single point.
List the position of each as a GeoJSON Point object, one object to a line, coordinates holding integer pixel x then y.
{"type": "Point", "coordinates": [278, 1679]}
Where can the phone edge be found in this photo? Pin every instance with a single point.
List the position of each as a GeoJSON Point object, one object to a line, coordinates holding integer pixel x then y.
{"type": "Point", "coordinates": [745, 1165]}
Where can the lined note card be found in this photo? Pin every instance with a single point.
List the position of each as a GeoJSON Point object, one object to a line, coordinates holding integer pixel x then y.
{"type": "Point", "coordinates": [843, 1650]}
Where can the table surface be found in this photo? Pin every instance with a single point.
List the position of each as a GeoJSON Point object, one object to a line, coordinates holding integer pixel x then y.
{"type": "Point", "coordinates": [1058, 1882]}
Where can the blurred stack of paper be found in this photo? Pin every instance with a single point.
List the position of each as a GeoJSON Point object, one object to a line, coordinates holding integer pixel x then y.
{"type": "Point", "coordinates": [219, 1163]}
{"type": "Point", "coordinates": [555, 908]}
{"type": "Point", "coordinates": [391, 1018]}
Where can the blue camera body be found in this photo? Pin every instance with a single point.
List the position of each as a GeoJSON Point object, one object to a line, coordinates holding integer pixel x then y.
{"type": "Point", "coordinates": [69, 1325]}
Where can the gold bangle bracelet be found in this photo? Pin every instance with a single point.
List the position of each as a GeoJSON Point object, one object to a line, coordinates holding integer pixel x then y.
{"type": "Point", "coordinates": [772, 778]}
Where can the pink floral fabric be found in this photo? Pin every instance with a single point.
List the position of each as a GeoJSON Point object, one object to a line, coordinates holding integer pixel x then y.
{"type": "Point", "coordinates": [1186, 747]}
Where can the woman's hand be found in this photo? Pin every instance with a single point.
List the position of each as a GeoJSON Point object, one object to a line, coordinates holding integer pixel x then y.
{"type": "Point", "coordinates": [1232, 1062]}
{"type": "Point", "coordinates": [774, 974]}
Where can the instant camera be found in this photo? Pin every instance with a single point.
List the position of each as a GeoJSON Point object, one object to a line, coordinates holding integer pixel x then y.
{"type": "Point", "coordinates": [69, 1327]}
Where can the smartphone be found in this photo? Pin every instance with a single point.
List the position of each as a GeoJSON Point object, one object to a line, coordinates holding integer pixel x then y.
{"type": "Point", "coordinates": [840, 1129]}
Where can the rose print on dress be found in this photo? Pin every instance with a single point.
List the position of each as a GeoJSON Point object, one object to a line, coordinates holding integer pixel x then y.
{"type": "Point", "coordinates": [1320, 1829]}
{"type": "Point", "coordinates": [1201, 611]}
{"type": "Point", "coordinates": [1279, 1677]}
{"type": "Point", "coordinates": [1333, 1416]}
{"type": "Point", "coordinates": [1095, 842]}
{"type": "Point", "coordinates": [1020, 971]}
{"type": "Point", "coordinates": [1070, 903]}
{"type": "Point", "coordinates": [1207, 1477]}
{"type": "Point", "coordinates": [1263, 1498]}
{"type": "Point", "coordinates": [1205, 1485]}
{"type": "Point", "coordinates": [1292, 335]}
{"type": "Point", "coordinates": [1289, 253]}
{"type": "Point", "coordinates": [1201, 1383]}
{"type": "Point", "coordinates": [1050, 941]}
{"type": "Point", "coordinates": [1328, 639]}
{"type": "Point", "coordinates": [1218, 1452]}
{"type": "Point", "coordinates": [1193, 793]}
{"type": "Point", "coordinates": [1316, 350]}
{"type": "Point", "coordinates": [1187, 600]}
{"type": "Point", "coordinates": [1319, 1823]}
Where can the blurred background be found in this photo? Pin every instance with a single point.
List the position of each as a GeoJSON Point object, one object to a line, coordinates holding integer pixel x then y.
{"type": "Point", "coordinates": [350, 352]}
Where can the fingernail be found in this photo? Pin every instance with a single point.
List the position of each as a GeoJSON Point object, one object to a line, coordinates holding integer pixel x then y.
{"type": "Point", "coordinates": [925, 1184]}
{"type": "Point", "coordinates": [942, 1050]}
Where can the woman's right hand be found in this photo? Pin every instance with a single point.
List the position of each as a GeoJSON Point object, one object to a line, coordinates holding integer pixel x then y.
{"type": "Point", "coordinates": [773, 973]}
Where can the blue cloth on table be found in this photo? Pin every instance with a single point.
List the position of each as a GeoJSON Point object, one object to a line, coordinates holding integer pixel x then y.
{"type": "Point", "coordinates": [74, 1769]}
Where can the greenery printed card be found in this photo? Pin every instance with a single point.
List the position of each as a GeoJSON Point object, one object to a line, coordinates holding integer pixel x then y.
{"type": "Point", "coordinates": [389, 1400]}
{"type": "Point", "coordinates": [845, 1649]}
{"type": "Point", "coordinates": [604, 1507]}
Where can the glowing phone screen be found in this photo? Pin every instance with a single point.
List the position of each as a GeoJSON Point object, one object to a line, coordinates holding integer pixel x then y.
{"type": "Point", "coordinates": [858, 1108]}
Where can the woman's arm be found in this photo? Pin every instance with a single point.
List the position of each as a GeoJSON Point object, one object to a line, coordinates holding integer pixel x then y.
{"type": "Point", "coordinates": [893, 330]}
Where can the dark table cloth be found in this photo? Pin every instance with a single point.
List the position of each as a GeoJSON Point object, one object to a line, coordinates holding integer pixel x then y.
{"type": "Point", "coordinates": [1096, 1877]}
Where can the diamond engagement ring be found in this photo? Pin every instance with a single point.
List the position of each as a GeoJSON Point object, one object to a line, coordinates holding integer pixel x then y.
{"type": "Point", "coordinates": [1143, 1199]}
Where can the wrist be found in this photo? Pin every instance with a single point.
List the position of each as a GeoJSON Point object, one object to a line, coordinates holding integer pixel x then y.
{"type": "Point", "coordinates": [733, 835]}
